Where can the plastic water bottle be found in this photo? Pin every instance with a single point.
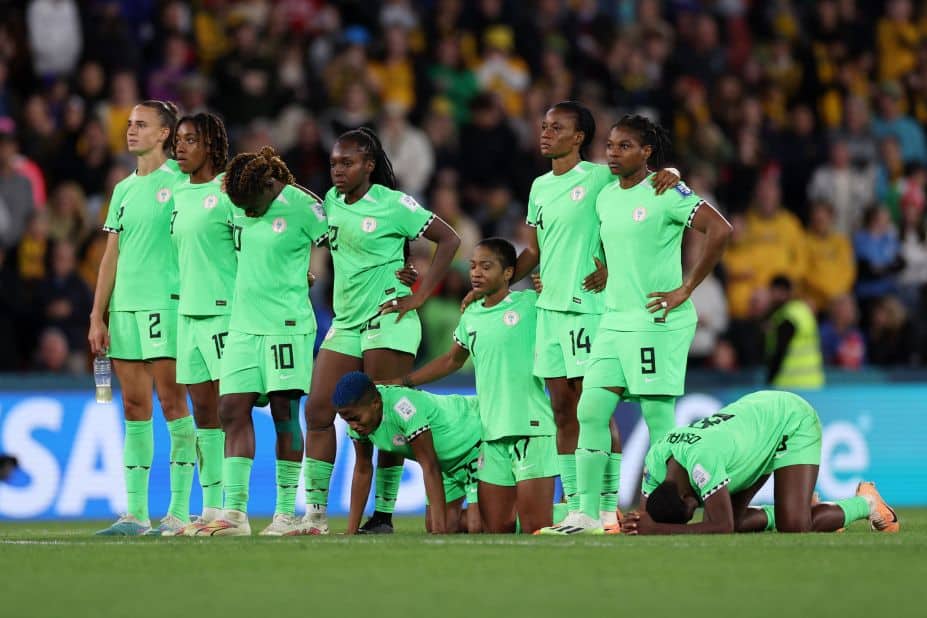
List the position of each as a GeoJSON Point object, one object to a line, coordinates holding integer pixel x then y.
{"type": "Point", "coordinates": [103, 378]}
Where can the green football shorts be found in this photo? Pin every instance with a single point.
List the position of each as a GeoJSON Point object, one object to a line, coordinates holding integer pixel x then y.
{"type": "Point", "coordinates": [801, 440]}
{"type": "Point", "coordinates": [461, 481]}
{"type": "Point", "coordinates": [143, 335]}
{"type": "Point", "coordinates": [266, 363]}
{"type": "Point", "coordinates": [200, 343]}
{"type": "Point", "coordinates": [563, 345]}
{"type": "Point", "coordinates": [508, 461]}
{"type": "Point", "coordinates": [378, 333]}
{"type": "Point", "coordinates": [641, 362]}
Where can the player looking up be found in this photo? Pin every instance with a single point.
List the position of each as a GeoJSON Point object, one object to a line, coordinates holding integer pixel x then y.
{"type": "Point", "coordinates": [643, 340]}
{"type": "Point", "coordinates": [376, 326]}
{"type": "Point", "coordinates": [721, 461]}
{"type": "Point", "coordinates": [519, 455]}
{"type": "Point", "coordinates": [271, 332]}
{"type": "Point", "coordinates": [441, 433]}
{"type": "Point", "coordinates": [138, 285]}
{"type": "Point", "coordinates": [201, 229]}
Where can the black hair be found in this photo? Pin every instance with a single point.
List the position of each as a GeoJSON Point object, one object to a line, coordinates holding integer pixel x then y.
{"type": "Point", "coordinates": [649, 134]}
{"type": "Point", "coordinates": [167, 114]}
{"type": "Point", "coordinates": [246, 175]}
{"type": "Point", "coordinates": [782, 282]}
{"type": "Point", "coordinates": [368, 142]}
{"type": "Point", "coordinates": [212, 130]}
{"type": "Point", "coordinates": [584, 120]}
{"type": "Point", "coordinates": [665, 506]}
{"type": "Point", "coordinates": [503, 250]}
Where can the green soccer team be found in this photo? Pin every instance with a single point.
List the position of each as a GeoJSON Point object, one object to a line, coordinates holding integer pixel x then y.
{"type": "Point", "coordinates": [207, 263]}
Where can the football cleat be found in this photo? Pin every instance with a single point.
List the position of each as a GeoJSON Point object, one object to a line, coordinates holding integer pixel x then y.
{"type": "Point", "coordinates": [232, 523]}
{"type": "Point", "coordinates": [575, 523]}
{"type": "Point", "coordinates": [169, 526]}
{"type": "Point", "coordinates": [312, 525]}
{"type": "Point", "coordinates": [126, 525]}
{"type": "Point", "coordinates": [882, 517]}
{"type": "Point", "coordinates": [283, 524]}
{"type": "Point", "coordinates": [373, 526]}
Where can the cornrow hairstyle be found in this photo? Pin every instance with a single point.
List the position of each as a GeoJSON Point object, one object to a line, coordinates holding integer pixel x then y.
{"type": "Point", "coordinates": [212, 131]}
{"type": "Point", "coordinates": [247, 175]}
{"type": "Point", "coordinates": [167, 114]}
{"type": "Point", "coordinates": [584, 120]}
{"type": "Point", "coordinates": [650, 134]}
{"type": "Point", "coordinates": [368, 142]}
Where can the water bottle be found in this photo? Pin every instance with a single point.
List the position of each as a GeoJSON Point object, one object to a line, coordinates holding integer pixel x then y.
{"type": "Point", "coordinates": [103, 378]}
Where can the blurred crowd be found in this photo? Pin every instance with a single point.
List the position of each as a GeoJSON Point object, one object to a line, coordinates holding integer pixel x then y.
{"type": "Point", "coordinates": [802, 121]}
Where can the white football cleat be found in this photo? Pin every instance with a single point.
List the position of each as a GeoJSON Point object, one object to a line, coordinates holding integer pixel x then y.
{"type": "Point", "coordinates": [283, 524]}
{"type": "Point", "coordinates": [576, 522]}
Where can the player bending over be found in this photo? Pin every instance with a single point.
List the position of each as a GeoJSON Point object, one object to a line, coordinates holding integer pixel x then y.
{"type": "Point", "coordinates": [723, 460]}
{"type": "Point", "coordinates": [441, 433]}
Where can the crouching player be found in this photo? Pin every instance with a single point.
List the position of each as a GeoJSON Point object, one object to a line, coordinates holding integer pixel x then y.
{"type": "Point", "coordinates": [723, 460]}
{"type": "Point", "coordinates": [441, 433]}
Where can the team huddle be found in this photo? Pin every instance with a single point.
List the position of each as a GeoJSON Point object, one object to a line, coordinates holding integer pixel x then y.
{"type": "Point", "coordinates": [206, 281]}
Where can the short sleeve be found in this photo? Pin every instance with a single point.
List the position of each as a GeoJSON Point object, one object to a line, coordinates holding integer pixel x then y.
{"type": "Point", "coordinates": [113, 223]}
{"type": "Point", "coordinates": [654, 468]}
{"type": "Point", "coordinates": [410, 217]}
{"type": "Point", "coordinates": [707, 473]}
{"type": "Point", "coordinates": [532, 218]}
{"type": "Point", "coordinates": [318, 223]}
{"type": "Point", "coordinates": [681, 204]}
{"type": "Point", "coordinates": [357, 437]}
{"type": "Point", "coordinates": [461, 336]}
{"type": "Point", "coordinates": [413, 420]}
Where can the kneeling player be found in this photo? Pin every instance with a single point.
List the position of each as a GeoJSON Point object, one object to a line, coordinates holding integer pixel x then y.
{"type": "Point", "coordinates": [723, 460]}
{"type": "Point", "coordinates": [441, 433]}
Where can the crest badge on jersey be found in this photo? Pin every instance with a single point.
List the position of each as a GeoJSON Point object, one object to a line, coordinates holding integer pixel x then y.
{"type": "Point", "coordinates": [279, 225]}
{"type": "Point", "coordinates": [577, 193]}
{"type": "Point", "coordinates": [511, 318]}
{"type": "Point", "coordinates": [639, 214]}
{"type": "Point", "coordinates": [163, 195]}
{"type": "Point", "coordinates": [210, 202]}
{"type": "Point", "coordinates": [369, 224]}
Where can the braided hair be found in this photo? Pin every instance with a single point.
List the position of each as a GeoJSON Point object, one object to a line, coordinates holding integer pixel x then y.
{"type": "Point", "coordinates": [248, 173]}
{"type": "Point", "coordinates": [212, 131]}
{"type": "Point", "coordinates": [649, 134]}
{"type": "Point", "coordinates": [167, 115]}
{"type": "Point", "coordinates": [368, 143]}
{"type": "Point", "coordinates": [584, 121]}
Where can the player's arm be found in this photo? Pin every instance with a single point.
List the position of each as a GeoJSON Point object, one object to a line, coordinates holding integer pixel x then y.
{"type": "Point", "coordinates": [528, 259]}
{"type": "Point", "coordinates": [360, 483]}
{"type": "Point", "coordinates": [424, 449]}
{"type": "Point", "coordinates": [718, 518]}
{"type": "Point", "coordinates": [440, 367]}
{"type": "Point", "coordinates": [106, 279]}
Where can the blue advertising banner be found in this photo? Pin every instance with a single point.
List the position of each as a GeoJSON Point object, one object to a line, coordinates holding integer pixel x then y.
{"type": "Point", "coordinates": [70, 452]}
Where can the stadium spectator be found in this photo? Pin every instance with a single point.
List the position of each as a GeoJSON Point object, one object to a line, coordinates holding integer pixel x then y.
{"type": "Point", "coordinates": [849, 190]}
{"type": "Point", "coordinates": [793, 352]}
{"type": "Point", "coordinates": [307, 159]}
{"type": "Point", "coordinates": [487, 147]}
{"type": "Point", "coordinates": [55, 37]}
{"type": "Point", "coordinates": [878, 257]}
{"type": "Point", "coordinates": [501, 71]}
{"type": "Point", "coordinates": [831, 269]}
{"type": "Point", "coordinates": [246, 81]}
{"type": "Point", "coordinates": [445, 203]}
{"type": "Point", "coordinates": [912, 280]}
{"type": "Point", "coordinates": [115, 111]}
{"type": "Point", "coordinates": [67, 214]}
{"type": "Point", "coordinates": [892, 120]}
{"type": "Point", "coordinates": [742, 264]}
{"type": "Point", "coordinates": [798, 151]}
{"type": "Point", "coordinates": [408, 148]}
{"type": "Point", "coordinates": [393, 78]}
{"type": "Point", "coordinates": [53, 354]}
{"type": "Point", "coordinates": [892, 341]}
{"type": "Point", "coordinates": [842, 342]}
{"type": "Point", "coordinates": [775, 233]}
{"type": "Point", "coordinates": [856, 133]}
{"type": "Point", "coordinates": [63, 299]}
{"type": "Point", "coordinates": [16, 194]}
{"type": "Point", "coordinates": [710, 304]}
{"type": "Point", "coordinates": [450, 78]}
{"type": "Point", "coordinates": [165, 80]}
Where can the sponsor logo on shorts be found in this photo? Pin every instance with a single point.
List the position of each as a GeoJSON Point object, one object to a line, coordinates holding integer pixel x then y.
{"type": "Point", "coordinates": [649, 380]}
{"type": "Point", "coordinates": [700, 476]}
{"type": "Point", "coordinates": [577, 193]}
{"type": "Point", "coordinates": [511, 318]}
{"type": "Point", "coordinates": [405, 408]}
{"type": "Point", "coordinates": [163, 195]}
{"type": "Point", "coordinates": [285, 376]}
{"type": "Point", "coordinates": [210, 202]}
{"type": "Point", "coordinates": [158, 344]}
{"type": "Point", "coordinates": [279, 225]}
{"type": "Point", "coordinates": [369, 224]}
{"type": "Point", "coordinates": [639, 214]}
{"type": "Point", "coordinates": [371, 336]}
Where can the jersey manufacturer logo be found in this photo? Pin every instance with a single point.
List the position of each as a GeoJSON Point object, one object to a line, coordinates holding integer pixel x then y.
{"type": "Point", "coordinates": [399, 440]}
{"type": "Point", "coordinates": [210, 202]}
{"type": "Point", "coordinates": [279, 225]}
{"type": "Point", "coordinates": [409, 202]}
{"type": "Point", "coordinates": [511, 318]}
{"type": "Point", "coordinates": [577, 193]}
{"type": "Point", "coordinates": [405, 408]}
{"type": "Point", "coordinates": [369, 224]}
{"type": "Point", "coordinates": [330, 333]}
{"type": "Point", "coordinates": [700, 476]}
{"type": "Point", "coordinates": [639, 214]}
{"type": "Point", "coordinates": [163, 195]}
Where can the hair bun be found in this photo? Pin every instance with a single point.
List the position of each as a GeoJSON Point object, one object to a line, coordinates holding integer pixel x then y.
{"type": "Point", "coordinates": [268, 153]}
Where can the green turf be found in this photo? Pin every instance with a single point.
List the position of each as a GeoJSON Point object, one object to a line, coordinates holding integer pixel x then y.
{"type": "Point", "coordinates": [58, 569]}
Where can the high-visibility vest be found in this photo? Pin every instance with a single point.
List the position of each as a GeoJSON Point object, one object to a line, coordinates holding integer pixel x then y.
{"type": "Point", "coordinates": [802, 365]}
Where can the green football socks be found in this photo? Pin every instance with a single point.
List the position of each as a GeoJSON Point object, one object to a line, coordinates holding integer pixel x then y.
{"type": "Point", "coordinates": [568, 480]}
{"type": "Point", "coordinates": [770, 511]}
{"type": "Point", "coordinates": [318, 477]}
{"type": "Point", "coordinates": [660, 415]}
{"type": "Point", "coordinates": [183, 462]}
{"type": "Point", "coordinates": [287, 484]}
{"type": "Point", "coordinates": [853, 509]}
{"type": "Point", "coordinates": [236, 475]}
{"type": "Point", "coordinates": [210, 448]}
{"type": "Point", "coordinates": [387, 484]}
{"type": "Point", "coordinates": [609, 499]}
{"type": "Point", "coordinates": [136, 456]}
{"type": "Point", "coordinates": [596, 406]}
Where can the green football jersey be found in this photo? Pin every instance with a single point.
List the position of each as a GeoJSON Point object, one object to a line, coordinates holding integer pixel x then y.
{"type": "Point", "coordinates": [642, 235]}
{"type": "Point", "coordinates": [201, 227]}
{"type": "Point", "coordinates": [500, 340]}
{"type": "Point", "coordinates": [562, 209]}
{"type": "Point", "coordinates": [733, 447]}
{"type": "Point", "coordinates": [367, 239]}
{"type": "Point", "coordinates": [408, 413]}
{"type": "Point", "coordinates": [140, 212]}
{"type": "Point", "coordinates": [271, 288]}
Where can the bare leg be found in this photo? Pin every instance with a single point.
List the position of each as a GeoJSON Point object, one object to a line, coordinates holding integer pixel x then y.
{"type": "Point", "coordinates": [564, 395]}
{"type": "Point", "coordinates": [235, 416]}
{"type": "Point", "coordinates": [173, 396]}
{"type": "Point", "coordinates": [534, 503]}
{"type": "Point", "coordinates": [205, 397]}
{"type": "Point", "coordinates": [321, 442]}
{"type": "Point", "coordinates": [136, 383]}
{"type": "Point", "coordinates": [794, 488]}
{"type": "Point", "coordinates": [497, 508]}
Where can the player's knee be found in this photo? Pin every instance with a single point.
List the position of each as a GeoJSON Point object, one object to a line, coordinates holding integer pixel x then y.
{"type": "Point", "coordinates": [564, 407]}
{"type": "Point", "coordinates": [136, 408]}
{"type": "Point", "coordinates": [793, 524]}
{"type": "Point", "coordinates": [229, 414]}
{"type": "Point", "coordinates": [320, 415]}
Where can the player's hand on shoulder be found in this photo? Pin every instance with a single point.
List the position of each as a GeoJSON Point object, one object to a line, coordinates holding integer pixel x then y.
{"type": "Point", "coordinates": [663, 180]}
{"type": "Point", "coordinates": [407, 275]}
{"type": "Point", "coordinates": [596, 280]}
{"type": "Point", "coordinates": [471, 297]}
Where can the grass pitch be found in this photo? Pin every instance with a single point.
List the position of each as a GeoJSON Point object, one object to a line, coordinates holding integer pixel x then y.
{"type": "Point", "coordinates": [56, 569]}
